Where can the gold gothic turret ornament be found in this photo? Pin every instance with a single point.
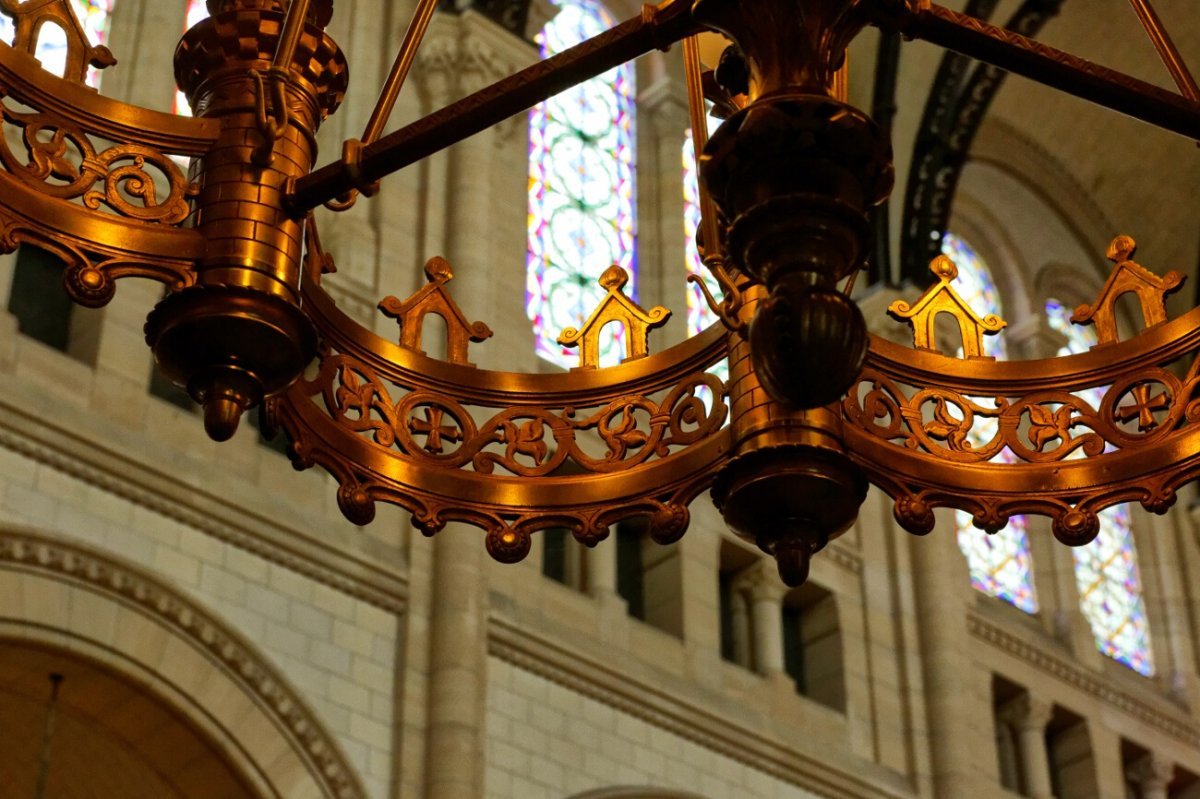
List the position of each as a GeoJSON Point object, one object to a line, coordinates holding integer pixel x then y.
{"type": "Point", "coordinates": [814, 410]}
{"type": "Point", "coordinates": [238, 334]}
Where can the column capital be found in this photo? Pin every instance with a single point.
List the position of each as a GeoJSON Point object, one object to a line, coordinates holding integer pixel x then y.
{"type": "Point", "coordinates": [1033, 337]}
{"type": "Point", "coordinates": [1152, 773]}
{"type": "Point", "coordinates": [761, 583]}
{"type": "Point", "coordinates": [1027, 713]}
{"type": "Point", "coordinates": [665, 105]}
{"type": "Point", "coordinates": [465, 52]}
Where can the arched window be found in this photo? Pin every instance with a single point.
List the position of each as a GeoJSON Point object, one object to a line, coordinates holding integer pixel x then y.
{"type": "Point", "coordinates": [196, 11]}
{"type": "Point", "coordinates": [1106, 571]}
{"type": "Point", "coordinates": [1000, 564]}
{"type": "Point", "coordinates": [581, 190]}
{"type": "Point", "coordinates": [52, 40]}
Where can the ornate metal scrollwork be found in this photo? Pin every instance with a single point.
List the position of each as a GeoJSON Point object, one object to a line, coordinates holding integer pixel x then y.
{"type": "Point", "coordinates": [61, 161]}
{"type": "Point", "coordinates": [641, 442]}
{"type": "Point", "coordinates": [1001, 438]}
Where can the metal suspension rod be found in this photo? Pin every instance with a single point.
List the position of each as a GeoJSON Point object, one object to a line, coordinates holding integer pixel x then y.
{"type": "Point", "coordinates": [699, 121]}
{"type": "Point", "coordinates": [1166, 49]}
{"type": "Point", "coordinates": [1050, 66]}
{"type": "Point", "coordinates": [400, 67]}
{"type": "Point", "coordinates": [293, 29]}
{"type": "Point", "coordinates": [657, 27]}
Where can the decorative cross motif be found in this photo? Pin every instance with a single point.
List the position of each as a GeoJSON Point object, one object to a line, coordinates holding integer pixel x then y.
{"type": "Point", "coordinates": [434, 298]}
{"type": "Point", "coordinates": [942, 298]}
{"type": "Point", "coordinates": [1127, 276]}
{"type": "Point", "coordinates": [434, 431]}
{"type": "Point", "coordinates": [615, 307]}
{"type": "Point", "coordinates": [1144, 404]}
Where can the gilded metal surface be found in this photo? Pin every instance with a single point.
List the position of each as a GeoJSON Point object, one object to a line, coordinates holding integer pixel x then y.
{"type": "Point", "coordinates": [1128, 277]}
{"type": "Point", "coordinates": [1064, 437]}
{"type": "Point", "coordinates": [434, 298]}
{"type": "Point", "coordinates": [510, 453]}
{"type": "Point", "coordinates": [515, 453]}
{"type": "Point", "coordinates": [30, 15]}
{"type": "Point", "coordinates": [1167, 51]}
{"type": "Point", "coordinates": [941, 298]}
{"type": "Point", "coordinates": [60, 160]}
{"type": "Point", "coordinates": [108, 211]}
{"type": "Point", "coordinates": [618, 308]}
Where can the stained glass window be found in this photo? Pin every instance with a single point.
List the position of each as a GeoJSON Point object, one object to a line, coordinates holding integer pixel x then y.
{"type": "Point", "coordinates": [1106, 571]}
{"type": "Point", "coordinates": [581, 190]}
{"type": "Point", "coordinates": [196, 11]}
{"type": "Point", "coordinates": [52, 40]}
{"type": "Point", "coordinates": [1000, 564]}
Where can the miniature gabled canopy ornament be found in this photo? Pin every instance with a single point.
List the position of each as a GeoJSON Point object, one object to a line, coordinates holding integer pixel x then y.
{"type": "Point", "coordinates": [616, 308]}
{"type": "Point", "coordinates": [941, 298]}
{"type": "Point", "coordinates": [1128, 277]}
{"type": "Point", "coordinates": [434, 298]}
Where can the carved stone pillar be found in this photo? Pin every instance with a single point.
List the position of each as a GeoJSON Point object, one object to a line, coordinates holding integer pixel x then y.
{"type": "Point", "coordinates": [763, 588]}
{"type": "Point", "coordinates": [1029, 717]}
{"type": "Point", "coordinates": [460, 57]}
{"type": "Point", "coordinates": [1152, 774]}
{"type": "Point", "coordinates": [739, 611]}
{"type": "Point", "coordinates": [662, 123]}
{"type": "Point", "coordinates": [957, 690]}
{"type": "Point", "coordinates": [456, 736]}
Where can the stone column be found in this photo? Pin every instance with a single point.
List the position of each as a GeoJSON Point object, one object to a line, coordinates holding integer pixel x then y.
{"type": "Point", "coordinates": [957, 690]}
{"type": "Point", "coordinates": [1152, 774]}
{"type": "Point", "coordinates": [663, 121]}
{"type": "Point", "coordinates": [1029, 717]}
{"type": "Point", "coordinates": [765, 591]}
{"type": "Point", "coordinates": [1166, 603]}
{"type": "Point", "coordinates": [456, 737]}
{"type": "Point", "coordinates": [739, 611]}
{"type": "Point", "coordinates": [456, 740]}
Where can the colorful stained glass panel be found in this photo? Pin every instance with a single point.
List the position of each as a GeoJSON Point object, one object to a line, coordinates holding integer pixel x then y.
{"type": "Point", "coordinates": [52, 40]}
{"type": "Point", "coordinates": [581, 191]}
{"type": "Point", "coordinates": [1000, 564]}
{"type": "Point", "coordinates": [1110, 592]}
{"type": "Point", "coordinates": [1110, 589]}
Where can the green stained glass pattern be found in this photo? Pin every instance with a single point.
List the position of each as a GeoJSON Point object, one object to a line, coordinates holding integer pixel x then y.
{"type": "Point", "coordinates": [581, 191]}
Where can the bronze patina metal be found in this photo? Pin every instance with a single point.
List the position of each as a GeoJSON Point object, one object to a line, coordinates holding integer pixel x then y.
{"type": "Point", "coordinates": [816, 408]}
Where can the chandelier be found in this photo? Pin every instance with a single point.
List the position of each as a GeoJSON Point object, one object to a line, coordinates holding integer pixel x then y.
{"type": "Point", "coordinates": [814, 408]}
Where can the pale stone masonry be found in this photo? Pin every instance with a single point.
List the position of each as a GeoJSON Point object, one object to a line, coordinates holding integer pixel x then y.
{"type": "Point", "coordinates": [322, 660]}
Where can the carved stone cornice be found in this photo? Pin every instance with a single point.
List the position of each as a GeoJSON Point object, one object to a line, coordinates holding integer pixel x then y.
{"type": "Point", "coordinates": [464, 53]}
{"type": "Point", "coordinates": [1170, 723]}
{"type": "Point", "coordinates": [27, 550]}
{"type": "Point", "coordinates": [603, 680]}
{"type": "Point", "coordinates": [140, 484]}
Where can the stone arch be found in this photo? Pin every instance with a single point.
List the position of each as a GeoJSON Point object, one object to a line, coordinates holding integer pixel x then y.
{"type": "Point", "coordinates": [57, 595]}
{"type": "Point", "coordinates": [1029, 217]}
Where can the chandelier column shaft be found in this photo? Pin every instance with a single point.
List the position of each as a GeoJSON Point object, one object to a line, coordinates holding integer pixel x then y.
{"type": "Point", "coordinates": [238, 335]}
